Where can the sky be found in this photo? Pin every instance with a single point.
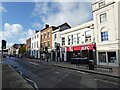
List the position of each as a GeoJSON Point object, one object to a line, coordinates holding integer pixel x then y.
{"type": "Point", "coordinates": [19, 20]}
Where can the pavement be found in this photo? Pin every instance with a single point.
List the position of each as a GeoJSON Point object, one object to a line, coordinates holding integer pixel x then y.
{"type": "Point", "coordinates": [82, 67]}
{"type": "Point", "coordinates": [11, 79]}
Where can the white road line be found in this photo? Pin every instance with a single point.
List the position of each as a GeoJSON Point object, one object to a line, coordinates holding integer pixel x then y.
{"type": "Point", "coordinates": [35, 85]}
{"type": "Point", "coordinates": [57, 72]}
{"type": "Point", "coordinates": [33, 63]}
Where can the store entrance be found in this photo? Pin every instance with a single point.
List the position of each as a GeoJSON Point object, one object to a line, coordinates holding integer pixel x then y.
{"type": "Point", "coordinates": [83, 56]}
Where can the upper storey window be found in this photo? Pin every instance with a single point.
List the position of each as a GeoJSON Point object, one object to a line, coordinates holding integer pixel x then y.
{"type": "Point", "coordinates": [101, 3]}
{"type": "Point", "coordinates": [103, 17]}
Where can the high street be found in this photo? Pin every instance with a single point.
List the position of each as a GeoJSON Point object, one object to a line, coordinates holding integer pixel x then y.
{"type": "Point", "coordinates": [45, 75]}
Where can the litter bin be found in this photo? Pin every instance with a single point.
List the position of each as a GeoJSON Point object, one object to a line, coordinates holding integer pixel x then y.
{"type": "Point", "coordinates": [91, 65]}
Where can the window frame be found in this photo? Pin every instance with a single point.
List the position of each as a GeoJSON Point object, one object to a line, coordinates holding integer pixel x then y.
{"type": "Point", "coordinates": [104, 36]}
{"type": "Point", "coordinates": [101, 4]}
{"type": "Point", "coordinates": [103, 17]}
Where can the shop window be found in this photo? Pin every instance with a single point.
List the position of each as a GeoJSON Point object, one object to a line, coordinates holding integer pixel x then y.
{"type": "Point", "coordinates": [111, 57]}
{"type": "Point", "coordinates": [102, 57]}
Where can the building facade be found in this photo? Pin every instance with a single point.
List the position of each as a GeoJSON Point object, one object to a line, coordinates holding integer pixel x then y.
{"type": "Point", "coordinates": [28, 47]}
{"type": "Point", "coordinates": [56, 39]}
{"type": "Point", "coordinates": [78, 42]}
{"type": "Point", "coordinates": [46, 40]}
{"type": "Point", "coordinates": [35, 45]}
{"type": "Point", "coordinates": [106, 15]}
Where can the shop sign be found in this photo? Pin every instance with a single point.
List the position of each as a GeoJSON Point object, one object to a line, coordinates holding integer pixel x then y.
{"type": "Point", "coordinates": [84, 47]}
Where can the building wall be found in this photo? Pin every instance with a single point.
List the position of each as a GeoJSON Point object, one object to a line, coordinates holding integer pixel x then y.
{"type": "Point", "coordinates": [28, 44]}
{"type": "Point", "coordinates": [57, 40]}
{"type": "Point", "coordinates": [46, 39]}
{"type": "Point", "coordinates": [110, 25]}
{"type": "Point", "coordinates": [34, 48]}
{"type": "Point", "coordinates": [74, 31]}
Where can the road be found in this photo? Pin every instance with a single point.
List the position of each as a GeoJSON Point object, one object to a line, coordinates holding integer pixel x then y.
{"type": "Point", "coordinates": [46, 75]}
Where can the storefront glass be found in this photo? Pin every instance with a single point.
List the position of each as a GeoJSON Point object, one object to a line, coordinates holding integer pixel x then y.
{"type": "Point", "coordinates": [111, 57]}
{"type": "Point", "coordinates": [102, 57]}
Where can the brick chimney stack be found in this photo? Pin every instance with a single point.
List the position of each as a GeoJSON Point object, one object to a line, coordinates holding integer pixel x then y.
{"type": "Point", "coordinates": [46, 26]}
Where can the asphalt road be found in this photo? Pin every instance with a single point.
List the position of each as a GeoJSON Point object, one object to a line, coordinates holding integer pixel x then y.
{"type": "Point", "coordinates": [48, 76]}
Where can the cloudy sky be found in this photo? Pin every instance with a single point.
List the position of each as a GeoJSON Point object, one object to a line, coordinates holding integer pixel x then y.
{"type": "Point", "coordinates": [21, 19]}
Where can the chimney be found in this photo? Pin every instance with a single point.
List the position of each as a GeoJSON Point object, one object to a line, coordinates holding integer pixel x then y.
{"type": "Point", "coordinates": [46, 26]}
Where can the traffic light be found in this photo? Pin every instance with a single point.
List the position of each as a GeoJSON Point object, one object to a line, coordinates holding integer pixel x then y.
{"type": "Point", "coordinates": [3, 44]}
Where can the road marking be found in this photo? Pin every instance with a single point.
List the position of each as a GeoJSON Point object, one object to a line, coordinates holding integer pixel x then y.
{"type": "Point", "coordinates": [35, 85]}
{"type": "Point", "coordinates": [106, 81]}
{"type": "Point", "coordinates": [33, 63]}
{"type": "Point", "coordinates": [81, 72]}
{"type": "Point", "coordinates": [57, 72]}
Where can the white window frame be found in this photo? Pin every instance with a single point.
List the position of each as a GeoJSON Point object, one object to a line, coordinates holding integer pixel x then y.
{"type": "Point", "coordinates": [103, 17]}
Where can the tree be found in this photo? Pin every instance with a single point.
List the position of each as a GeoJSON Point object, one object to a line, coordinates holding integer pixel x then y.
{"type": "Point", "coordinates": [22, 49]}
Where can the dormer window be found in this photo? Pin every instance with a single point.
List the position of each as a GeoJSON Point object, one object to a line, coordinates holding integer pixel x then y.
{"type": "Point", "coordinates": [101, 3]}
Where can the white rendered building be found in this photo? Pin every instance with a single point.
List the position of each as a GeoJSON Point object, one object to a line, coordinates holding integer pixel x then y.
{"type": "Point", "coordinates": [106, 15]}
{"type": "Point", "coordinates": [78, 40]}
{"type": "Point", "coordinates": [35, 45]}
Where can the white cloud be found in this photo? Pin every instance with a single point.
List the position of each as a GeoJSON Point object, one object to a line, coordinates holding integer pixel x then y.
{"type": "Point", "coordinates": [56, 13]}
{"type": "Point", "coordinates": [36, 25]}
{"type": "Point", "coordinates": [2, 9]}
{"type": "Point", "coordinates": [15, 33]}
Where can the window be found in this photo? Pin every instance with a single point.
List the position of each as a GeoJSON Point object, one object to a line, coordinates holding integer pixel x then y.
{"type": "Point", "coordinates": [88, 36]}
{"type": "Point", "coordinates": [69, 40]}
{"type": "Point", "coordinates": [78, 38]}
{"type": "Point", "coordinates": [63, 41]}
{"type": "Point", "coordinates": [37, 35]}
{"type": "Point", "coordinates": [111, 57]}
{"type": "Point", "coordinates": [48, 34]}
{"type": "Point", "coordinates": [54, 36]}
{"type": "Point", "coordinates": [48, 43]}
{"type": "Point", "coordinates": [72, 39]}
{"type": "Point", "coordinates": [101, 4]}
{"type": "Point", "coordinates": [37, 44]}
{"type": "Point", "coordinates": [41, 36]}
{"type": "Point", "coordinates": [102, 57]}
{"type": "Point", "coordinates": [103, 17]}
{"type": "Point", "coordinates": [44, 44]}
{"type": "Point", "coordinates": [104, 36]}
{"type": "Point", "coordinates": [34, 44]}
{"type": "Point", "coordinates": [44, 35]}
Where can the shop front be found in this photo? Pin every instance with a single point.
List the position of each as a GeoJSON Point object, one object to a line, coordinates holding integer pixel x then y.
{"type": "Point", "coordinates": [82, 53]}
{"type": "Point", "coordinates": [108, 58]}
